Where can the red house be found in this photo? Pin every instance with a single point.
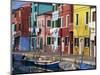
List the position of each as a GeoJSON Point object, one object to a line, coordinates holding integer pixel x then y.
{"type": "Point", "coordinates": [21, 37]}
{"type": "Point", "coordinates": [25, 17]}
{"type": "Point", "coordinates": [66, 30]}
{"type": "Point", "coordinates": [16, 24]}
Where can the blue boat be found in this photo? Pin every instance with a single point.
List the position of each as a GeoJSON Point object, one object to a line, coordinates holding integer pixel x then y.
{"type": "Point", "coordinates": [84, 66]}
{"type": "Point", "coordinates": [48, 65]}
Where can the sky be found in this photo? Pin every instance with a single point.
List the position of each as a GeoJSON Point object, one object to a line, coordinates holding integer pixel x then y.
{"type": "Point", "coordinates": [17, 4]}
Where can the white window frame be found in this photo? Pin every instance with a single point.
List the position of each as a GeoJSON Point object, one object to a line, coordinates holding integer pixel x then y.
{"type": "Point", "coordinates": [67, 20]}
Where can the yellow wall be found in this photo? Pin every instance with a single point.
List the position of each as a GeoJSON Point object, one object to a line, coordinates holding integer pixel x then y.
{"type": "Point", "coordinates": [81, 30]}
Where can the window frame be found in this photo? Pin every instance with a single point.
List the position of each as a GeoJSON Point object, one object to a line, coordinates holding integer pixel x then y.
{"type": "Point", "coordinates": [48, 22]}
{"type": "Point", "coordinates": [77, 19]}
{"type": "Point", "coordinates": [47, 40]}
{"type": "Point", "coordinates": [76, 42]}
{"type": "Point", "coordinates": [87, 18]}
{"type": "Point", "coordinates": [87, 42]}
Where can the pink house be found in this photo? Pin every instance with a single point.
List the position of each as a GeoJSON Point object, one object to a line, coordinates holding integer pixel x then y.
{"type": "Point", "coordinates": [43, 31]}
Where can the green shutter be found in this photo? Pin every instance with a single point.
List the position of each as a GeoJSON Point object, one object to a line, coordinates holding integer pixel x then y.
{"type": "Point", "coordinates": [52, 24]}
{"type": "Point", "coordinates": [48, 40]}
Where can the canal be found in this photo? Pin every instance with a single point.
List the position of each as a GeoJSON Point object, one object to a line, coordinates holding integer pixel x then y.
{"type": "Point", "coordinates": [20, 66]}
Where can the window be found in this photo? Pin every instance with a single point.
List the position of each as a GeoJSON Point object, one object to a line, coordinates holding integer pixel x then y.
{"type": "Point", "coordinates": [48, 40]}
{"type": "Point", "coordinates": [30, 21]}
{"type": "Point", "coordinates": [35, 8]}
{"type": "Point", "coordinates": [49, 23]}
{"type": "Point", "coordinates": [53, 7]}
{"type": "Point", "coordinates": [52, 40]}
{"type": "Point", "coordinates": [86, 17]}
{"type": "Point", "coordinates": [67, 20]}
{"type": "Point", "coordinates": [52, 24]}
{"type": "Point", "coordinates": [95, 40]}
{"type": "Point", "coordinates": [94, 16]}
{"type": "Point", "coordinates": [87, 42]}
{"type": "Point", "coordinates": [15, 27]}
{"type": "Point", "coordinates": [42, 23]}
{"type": "Point", "coordinates": [59, 40]}
{"type": "Point", "coordinates": [35, 23]}
{"type": "Point", "coordinates": [62, 22]}
{"type": "Point", "coordinates": [39, 25]}
{"type": "Point", "coordinates": [30, 10]}
{"type": "Point", "coordinates": [66, 40]}
{"type": "Point", "coordinates": [41, 43]}
{"type": "Point", "coordinates": [58, 22]}
{"type": "Point", "coordinates": [59, 5]}
{"type": "Point", "coordinates": [76, 19]}
{"type": "Point", "coordinates": [33, 42]}
{"type": "Point", "coordinates": [76, 42]}
{"type": "Point", "coordinates": [33, 30]}
{"type": "Point", "coordinates": [56, 6]}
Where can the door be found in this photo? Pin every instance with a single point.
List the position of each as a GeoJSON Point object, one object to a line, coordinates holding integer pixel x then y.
{"type": "Point", "coordinates": [71, 42]}
{"type": "Point", "coordinates": [63, 45]}
{"type": "Point", "coordinates": [34, 43]}
{"type": "Point", "coordinates": [92, 48]}
{"type": "Point", "coordinates": [41, 43]}
{"type": "Point", "coordinates": [81, 46]}
{"type": "Point", "coordinates": [16, 43]}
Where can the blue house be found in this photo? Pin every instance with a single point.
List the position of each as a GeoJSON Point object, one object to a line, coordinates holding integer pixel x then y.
{"type": "Point", "coordinates": [37, 9]}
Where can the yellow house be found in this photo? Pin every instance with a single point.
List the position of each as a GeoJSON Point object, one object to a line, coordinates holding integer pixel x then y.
{"type": "Point", "coordinates": [81, 35]}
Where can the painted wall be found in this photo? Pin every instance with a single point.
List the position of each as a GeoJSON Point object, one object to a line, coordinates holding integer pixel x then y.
{"type": "Point", "coordinates": [45, 30]}
{"type": "Point", "coordinates": [66, 15]}
{"type": "Point", "coordinates": [24, 44]}
{"type": "Point", "coordinates": [40, 9]}
{"type": "Point", "coordinates": [82, 29]}
{"type": "Point", "coordinates": [92, 26]}
{"type": "Point", "coordinates": [25, 13]}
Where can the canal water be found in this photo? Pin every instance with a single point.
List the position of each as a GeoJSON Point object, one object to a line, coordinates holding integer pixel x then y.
{"type": "Point", "coordinates": [25, 67]}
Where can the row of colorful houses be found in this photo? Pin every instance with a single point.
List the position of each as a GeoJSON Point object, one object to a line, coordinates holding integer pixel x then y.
{"type": "Point", "coordinates": [60, 28]}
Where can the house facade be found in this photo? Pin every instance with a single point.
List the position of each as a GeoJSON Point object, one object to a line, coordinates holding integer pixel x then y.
{"type": "Point", "coordinates": [36, 9]}
{"type": "Point", "coordinates": [43, 31]}
{"type": "Point", "coordinates": [16, 33]}
{"type": "Point", "coordinates": [92, 26]}
{"type": "Point", "coordinates": [66, 28]}
{"type": "Point", "coordinates": [21, 27]}
{"type": "Point", "coordinates": [81, 36]}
